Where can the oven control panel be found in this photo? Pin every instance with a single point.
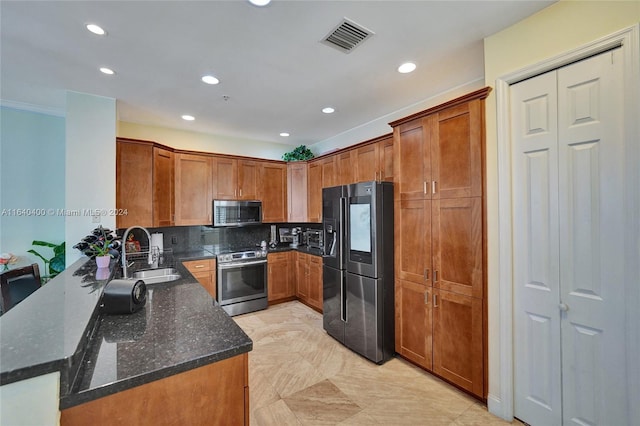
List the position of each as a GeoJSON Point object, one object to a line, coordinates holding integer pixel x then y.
{"type": "Point", "coordinates": [243, 255]}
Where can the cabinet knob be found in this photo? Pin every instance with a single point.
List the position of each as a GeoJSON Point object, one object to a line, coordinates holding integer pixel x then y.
{"type": "Point", "coordinates": [564, 307]}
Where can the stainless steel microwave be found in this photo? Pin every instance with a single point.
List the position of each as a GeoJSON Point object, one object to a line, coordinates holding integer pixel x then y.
{"type": "Point", "coordinates": [236, 213]}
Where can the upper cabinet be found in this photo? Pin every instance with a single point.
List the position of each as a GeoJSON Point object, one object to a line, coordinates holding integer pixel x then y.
{"type": "Point", "coordinates": [297, 191]}
{"type": "Point", "coordinates": [193, 195]}
{"type": "Point", "coordinates": [374, 161]}
{"type": "Point", "coordinates": [346, 166]}
{"type": "Point", "coordinates": [273, 191]}
{"type": "Point", "coordinates": [235, 179]}
{"type": "Point", "coordinates": [134, 183]}
{"type": "Point", "coordinates": [163, 187]}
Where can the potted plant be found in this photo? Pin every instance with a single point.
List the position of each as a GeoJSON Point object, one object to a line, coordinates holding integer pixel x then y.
{"type": "Point", "coordinates": [103, 257]}
{"type": "Point", "coordinates": [99, 244]}
{"type": "Point", "coordinates": [298, 154]}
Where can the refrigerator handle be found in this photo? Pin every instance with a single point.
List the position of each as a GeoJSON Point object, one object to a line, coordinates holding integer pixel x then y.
{"type": "Point", "coordinates": [343, 302]}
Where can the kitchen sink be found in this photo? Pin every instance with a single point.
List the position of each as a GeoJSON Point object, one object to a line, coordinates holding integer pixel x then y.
{"type": "Point", "coordinates": [154, 276]}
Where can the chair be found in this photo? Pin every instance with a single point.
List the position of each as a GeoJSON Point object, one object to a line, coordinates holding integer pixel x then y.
{"type": "Point", "coordinates": [17, 284]}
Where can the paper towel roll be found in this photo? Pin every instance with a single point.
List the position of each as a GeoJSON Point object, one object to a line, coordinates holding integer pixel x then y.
{"type": "Point", "coordinates": [157, 246]}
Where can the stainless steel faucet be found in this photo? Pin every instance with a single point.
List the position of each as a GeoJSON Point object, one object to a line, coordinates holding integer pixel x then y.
{"type": "Point", "coordinates": [124, 248]}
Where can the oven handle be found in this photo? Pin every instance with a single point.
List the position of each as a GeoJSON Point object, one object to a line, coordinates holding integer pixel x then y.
{"type": "Point", "coordinates": [234, 264]}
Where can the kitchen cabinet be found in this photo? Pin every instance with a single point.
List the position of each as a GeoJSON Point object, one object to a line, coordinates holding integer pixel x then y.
{"type": "Point", "coordinates": [374, 161]}
{"type": "Point", "coordinates": [193, 200]}
{"type": "Point", "coordinates": [297, 191]}
{"type": "Point", "coordinates": [163, 187]}
{"type": "Point", "coordinates": [345, 164]}
{"type": "Point", "coordinates": [273, 192]}
{"type": "Point", "coordinates": [134, 183]}
{"type": "Point", "coordinates": [281, 276]}
{"type": "Point", "coordinates": [235, 179]}
{"type": "Point", "coordinates": [213, 394]}
{"type": "Point", "coordinates": [309, 280]}
{"type": "Point", "coordinates": [439, 241]}
{"type": "Point", "coordinates": [205, 272]}
{"type": "Point", "coordinates": [321, 174]}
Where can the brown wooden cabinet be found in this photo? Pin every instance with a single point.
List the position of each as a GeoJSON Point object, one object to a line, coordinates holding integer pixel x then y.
{"type": "Point", "coordinates": [205, 272]}
{"type": "Point", "coordinates": [214, 394]}
{"type": "Point", "coordinates": [309, 280]}
{"type": "Point", "coordinates": [439, 240]}
{"type": "Point", "coordinates": [297, 191]}
{"type": "Point", "coordinates": [134, 183]}
{"type": "Point", "coordinates": [225, 178]}
{"type": "Point", "coordinates": [281, 276]}
{"type": "Point", "coordinates": [163, 187]}
{"type": "Point", "coordinates": [314, 193]}
{"type": "Point", "coordinates": [346, 166]}
{"type": "Point", "coordinates": [248, 173]}
{"type": "Point", "coordinates": [374, 161]}
{"type": "Point", "coordinates": [273, 192]}
{"type": "Point", "coordinates": [193, 189]}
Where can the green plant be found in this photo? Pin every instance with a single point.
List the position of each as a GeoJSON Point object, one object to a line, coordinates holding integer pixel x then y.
{"type": "Point", "coordinates": [56, 264]}
{"type": "Point", "coordinates": [102, 246]}
{"type": "Point", "coordinates": [298, 154]}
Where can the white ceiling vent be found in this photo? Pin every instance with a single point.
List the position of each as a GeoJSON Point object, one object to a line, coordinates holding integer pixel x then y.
{"type": "Point", "coordinates": [347, 36]}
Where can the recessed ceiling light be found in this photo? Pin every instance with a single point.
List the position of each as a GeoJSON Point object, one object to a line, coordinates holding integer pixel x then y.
{"type": "Point", "coordinates": [328, 110]}
{"type": "Point", "coordinates": [284, 134]}
{"type": "Point", "coordinates": [407, 67]}
{"type": "Point", "coordinates": [209, 79]}
{"type": "Point", "coordinates": [107, 71]}
{"type": "Point", "coordinates": [188, 117]}
{"type": "Point", "coordinates": [96, 29]}
{"type": "Point", "coordinates": [260, 2]}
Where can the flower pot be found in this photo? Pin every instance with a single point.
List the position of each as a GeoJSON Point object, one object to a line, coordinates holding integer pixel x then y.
{"type": "Point", "coordinates": [103, 261]}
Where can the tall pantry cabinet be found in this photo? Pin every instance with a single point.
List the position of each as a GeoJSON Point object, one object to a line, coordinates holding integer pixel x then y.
{"type": "Point", "coordinates": [439, 240]}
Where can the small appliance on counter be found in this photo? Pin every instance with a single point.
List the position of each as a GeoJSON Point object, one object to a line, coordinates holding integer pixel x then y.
{"type": "Point", "coordinates": [124, 296]}
{"type": "Point", "coordinates": [272, 240]}
{"type": "Point", "coordinates": [313, 238]}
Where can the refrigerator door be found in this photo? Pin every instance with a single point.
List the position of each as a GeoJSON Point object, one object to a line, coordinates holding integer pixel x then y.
{"type": "Point", "coordinates": [333, 293]}
{"type": "Point", "coordinates": [333, 210]}
{"type": "Point", "coordinates": [361, 229]}
{"type": "Point", "coordinates": [364, 327]}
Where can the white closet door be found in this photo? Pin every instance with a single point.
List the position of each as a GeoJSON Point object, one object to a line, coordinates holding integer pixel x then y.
{"type": "Point", "coordinates": [535, 232]}
{"type": "Point", "coordinates": [592, 235]}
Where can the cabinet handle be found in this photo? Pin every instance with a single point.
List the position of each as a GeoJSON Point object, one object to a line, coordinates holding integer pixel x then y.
{"type": "Point", "coordinates": [424, 186]}
{"type": "Point", "coordinates": [426, 274]}
{"type": "Point", "coordinates": [199, 266]}
{"type": "Point", "coordinates": [435, 300]}
{"type": "Point", "coordinates": [426, 297]}
{"type": "Point", "coordinates": [433, 186]}
{"type": "Point", "coordinates": [435, 276]}
{"type": "Point", "coordinates": [241, 192]}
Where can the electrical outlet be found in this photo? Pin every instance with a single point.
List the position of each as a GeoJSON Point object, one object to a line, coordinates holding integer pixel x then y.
{"type": "Point", "coordinates": [95, 218]}
{"type": "Point", "coordinates": [174, 239]}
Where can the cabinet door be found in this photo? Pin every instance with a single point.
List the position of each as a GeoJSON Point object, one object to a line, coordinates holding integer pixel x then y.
{"type": "Point", "coordinates": [315, 281]}
{"type": "Point", "coordinates": [273, 192]}
{"type": "Point", "coordinates": [456, 151]}
{"type": "Point", "coordinates": [297, 191]}
{"type": "Point", "coordinates": [345, 163]}
{"type": "Point", "coordinates": [314, 209]}
{"type": "Point", "coordinates": [457, 340]}
{"type": "Point", "coordinates": [248, 172]}
{"type": "Point", "coordinates": [134, 177]}
{"type": "Point", "coordinates": [302, 277]}
{"type": "Point", "coordinates": [279, 277]}
{"type": "Point", "coordinates": [205, 272]}
{"type": "Point", "coordinates": [163, 191]}
{"type": "Point", "coordinates": [329, 169]}
{"type": "Point", "coordinates": [457, 245]}
{"type": "Point", "coordinates": [367, 162]}
{"type": "Point", "coordinates": [412, 159]}
{"type": "Point", "coordinates": [413, 241]}
{"type": "Point", "coordinates": [193, 189]}
{"type": "Point", "coordinates": [413, 322]}
{"type": "Point", "coordinates": [225, 178]}
{"type": "Point", "coordinates": [386, 160]}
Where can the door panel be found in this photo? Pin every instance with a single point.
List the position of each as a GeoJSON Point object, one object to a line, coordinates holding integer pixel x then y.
{"type": "Point", "coordinates": [364, 321]}
{"type": "Point", "coordinates": [412, 149]}
{"type": "Point", "coordinates": [413, 241]}
{"type": "Point", "coordinates": [537, 366]}
{"type": "Point", "coordinates": [332, 297]}
{"type": "Point", "coordinates": [413, 322]}
{"type": "Point", "coordinates": [592, 232]}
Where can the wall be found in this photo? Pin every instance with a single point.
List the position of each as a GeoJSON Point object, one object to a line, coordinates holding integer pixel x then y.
{"type": "Point", "coordinates": [90, 180]}
{"type": "Point", "coordinates": [32, 162]}
{"type": "Point", "coordinates": [193, 141]}
{"type": "Point", "coordinates": [564, 26]}
{"type": "Point", "coordinates": [31, 402]}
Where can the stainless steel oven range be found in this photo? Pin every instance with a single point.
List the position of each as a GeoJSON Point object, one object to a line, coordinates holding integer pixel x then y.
{"type": "Point", "coordinates": [242, 281]}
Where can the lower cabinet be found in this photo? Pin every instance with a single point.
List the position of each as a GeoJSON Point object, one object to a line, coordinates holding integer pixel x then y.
{"type": "Point", "coordinates": [215, 394]}
{"type": "Point", "coordinates": [309, 280]}
{"type": "Point", "coordinates": [205, 272]}
{"type": "Point", "coordinates": [281, 276]}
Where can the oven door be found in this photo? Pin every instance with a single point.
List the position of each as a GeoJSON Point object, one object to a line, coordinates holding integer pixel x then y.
{"type": "Point", "coordinates": [241, 281]}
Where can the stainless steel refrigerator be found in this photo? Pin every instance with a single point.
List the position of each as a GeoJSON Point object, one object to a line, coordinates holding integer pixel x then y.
{"type": "Point", "coordinates": [358, 292]}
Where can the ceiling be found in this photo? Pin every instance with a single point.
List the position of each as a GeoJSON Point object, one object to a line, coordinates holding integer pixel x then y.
{"type": "Point", "coordinates": [275, 75]}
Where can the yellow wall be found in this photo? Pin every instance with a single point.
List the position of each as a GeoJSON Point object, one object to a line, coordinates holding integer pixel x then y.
{"type": "Point", "coordinates": [193, 141]}
{"type": "Point", "coordinates": [559, 28]}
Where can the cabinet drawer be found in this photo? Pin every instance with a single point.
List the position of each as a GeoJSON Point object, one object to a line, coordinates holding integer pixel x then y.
{"type": "Point", "coordinates": [278, 257]}
{"type": "Point", "coordinates": [200, 265]}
